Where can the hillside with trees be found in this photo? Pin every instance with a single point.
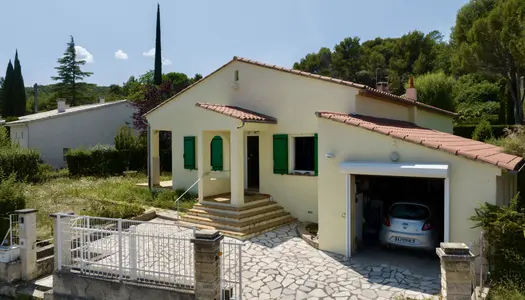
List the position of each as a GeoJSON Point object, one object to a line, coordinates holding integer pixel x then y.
{"type": "Point", "coordinates": [474, 73]}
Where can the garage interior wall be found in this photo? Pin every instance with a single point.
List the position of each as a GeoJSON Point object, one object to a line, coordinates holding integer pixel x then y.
{"type": "Point", "coordinates": [471, 182]}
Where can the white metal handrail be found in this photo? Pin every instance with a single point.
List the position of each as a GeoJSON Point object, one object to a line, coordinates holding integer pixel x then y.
{"type": "Point", "coordinates": [187, 190]}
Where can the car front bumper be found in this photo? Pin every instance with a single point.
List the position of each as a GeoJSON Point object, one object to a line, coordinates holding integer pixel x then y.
{"type": "Point", "coordinates": [423, 240]}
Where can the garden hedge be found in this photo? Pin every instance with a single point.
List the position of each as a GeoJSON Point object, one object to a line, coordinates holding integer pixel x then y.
{"type": "Point", "coordinates": [104, 160]}
{"type": "Point", "coordinates": [22, 162]}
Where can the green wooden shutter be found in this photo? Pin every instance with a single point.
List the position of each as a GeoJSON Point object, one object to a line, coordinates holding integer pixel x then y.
{"type": "Point", "coordinates": [280, 154]}
{"type": "Point", "coordinates": [316, 156]}
{"type": "Point", "coordinates": [189, 153]}
{"type": "Point", "coordinates": [216, 153]}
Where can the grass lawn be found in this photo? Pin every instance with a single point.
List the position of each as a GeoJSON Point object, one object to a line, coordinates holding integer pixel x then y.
{"type": "Point", "coordinates": [114, 197]}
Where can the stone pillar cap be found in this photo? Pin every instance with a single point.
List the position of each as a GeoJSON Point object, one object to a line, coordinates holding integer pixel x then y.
{"type": "Point", "coordinates": [54, 215]}
{"type": "Point", "coordinates": [26, 211]}
{"type": "Point", "coordinates": [455, 248]}
{"type": "Point", "coordinates": [207, 235]}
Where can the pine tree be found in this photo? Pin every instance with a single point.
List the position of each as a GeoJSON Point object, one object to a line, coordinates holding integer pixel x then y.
{"type": "Point", "coordinates": [158, 53]}
{"type": "Point", "coordinates": [69, 74]}
{"type": "Point", "coordinates": [7, 92]}
{"type": "Point", "coordinates": [19, 90]}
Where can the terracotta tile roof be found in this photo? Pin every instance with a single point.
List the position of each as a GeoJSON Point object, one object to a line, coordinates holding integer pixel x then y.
{"type": "Point", "coordinates": [242, 114]}
{"type": "Point", "coordinates": [430, 138]}
{"type": "Point", "coordinates": [364, 90]}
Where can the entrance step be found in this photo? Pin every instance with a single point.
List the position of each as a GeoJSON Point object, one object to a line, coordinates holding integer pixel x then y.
{"type": "Point", "coordinates": [36, 289]}
{"type": "Point", "coordinates": [255, 217]}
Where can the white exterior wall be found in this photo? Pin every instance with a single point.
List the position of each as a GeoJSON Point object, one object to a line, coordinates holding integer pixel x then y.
{"type": "Point", "coordinates": [435, 121]}
{"type": "Point", "coordinates": [290, 98]}
{"type": "Point", "coordinates": [20, 135]}
{"type": "Point", "coordinates": [471, 183]}
{"type": "Point", "coordinates": [81, 129]}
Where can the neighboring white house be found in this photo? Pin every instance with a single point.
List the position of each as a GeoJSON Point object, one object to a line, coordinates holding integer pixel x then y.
{"type": "Point", "coordinates": [314, 144]}
{"type": "Point", "coordinates": [53, 132]}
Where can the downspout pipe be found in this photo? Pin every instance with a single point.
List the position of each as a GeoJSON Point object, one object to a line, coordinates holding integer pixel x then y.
{"type": "Point", "coordinates": [148, 135]}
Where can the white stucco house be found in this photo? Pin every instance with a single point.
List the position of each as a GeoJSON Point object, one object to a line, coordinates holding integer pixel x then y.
{"type": "Point", "coordinates": [264, 145]}
{"type": "Point", "coordinates": [54, 132]}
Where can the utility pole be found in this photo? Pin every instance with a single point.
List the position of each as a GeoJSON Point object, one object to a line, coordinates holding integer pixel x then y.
{"type": "Point", "coordinates": [35, 103]}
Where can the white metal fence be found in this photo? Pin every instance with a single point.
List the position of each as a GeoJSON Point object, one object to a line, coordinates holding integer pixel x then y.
{"type": "Point", "coordinates": [231, 270]}
{"type": "Point", "coordinates": [12, 236]}
{"type": "Point", "coordinates": [144, 252]}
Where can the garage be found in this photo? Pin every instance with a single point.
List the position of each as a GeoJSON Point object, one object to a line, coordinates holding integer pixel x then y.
{"type": "Point", "coordinates": [396, 205]}
{"type": "Point", "coordinates": [399, 212]}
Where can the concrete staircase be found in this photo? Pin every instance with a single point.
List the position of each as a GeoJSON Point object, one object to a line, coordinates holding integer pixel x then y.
{"type": "Point", "coordinates": [242, 222]}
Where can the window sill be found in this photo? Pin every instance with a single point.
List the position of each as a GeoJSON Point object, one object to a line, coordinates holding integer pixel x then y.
{"type": "Point", "coordinates": [302, 173]}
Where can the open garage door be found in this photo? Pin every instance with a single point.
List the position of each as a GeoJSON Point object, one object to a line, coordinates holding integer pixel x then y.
{"type": "Point", "coordinates": [398, 204]}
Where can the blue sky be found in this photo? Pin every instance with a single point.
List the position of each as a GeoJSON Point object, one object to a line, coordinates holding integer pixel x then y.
{"type": "Point", "coordinates": [198, 36]}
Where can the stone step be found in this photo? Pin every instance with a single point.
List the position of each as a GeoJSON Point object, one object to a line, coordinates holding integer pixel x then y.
{"type": "Point", "coordinates": [45, 251]}
{"type": "Point", "coordinates": [236, 217]}
{"type": "Point", "coordinates": [30, 292]}
{"type": "Point", "coordinates": [229, 207]}
{"type": "Point", "coordinates": [233, 212]}
{"type": "Point", "coordinates": [236, 226]}
{"type": "Point", "coordinates": [244, 235]}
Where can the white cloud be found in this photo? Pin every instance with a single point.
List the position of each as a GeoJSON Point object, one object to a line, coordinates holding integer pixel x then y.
{"type": "Point", "coordinates": [119, 54]}
{"type": "Point", "coordinates": [83, 54]}
{"type": "Point", "coordinates": [151, 53]}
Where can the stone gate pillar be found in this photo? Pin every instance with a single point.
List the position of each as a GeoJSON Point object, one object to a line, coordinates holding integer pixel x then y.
{"type": "Point", "coordinates": [27, 234]}
{"type": "Point", "coordinates": [456, 271]}
{"type": "Point", "coordinates": [62, 238]}
{"type": "Point", "coordinates": [207, 244]}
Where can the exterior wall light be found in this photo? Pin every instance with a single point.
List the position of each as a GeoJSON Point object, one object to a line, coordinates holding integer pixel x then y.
{"type": "Point", "coordinates": [329, 155]}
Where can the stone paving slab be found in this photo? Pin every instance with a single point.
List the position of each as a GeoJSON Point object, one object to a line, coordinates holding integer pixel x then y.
{"type": "Point", "coordinates": [280, 265]}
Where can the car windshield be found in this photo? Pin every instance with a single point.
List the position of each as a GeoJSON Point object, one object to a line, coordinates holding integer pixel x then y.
{"type": "Point", "coordinates": [409, 211]}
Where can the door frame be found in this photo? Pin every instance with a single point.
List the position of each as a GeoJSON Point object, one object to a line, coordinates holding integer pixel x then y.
{"type": "Point", "coordinates": [246, 135]}
{"type": "Point", "coordinates": [424, 170]}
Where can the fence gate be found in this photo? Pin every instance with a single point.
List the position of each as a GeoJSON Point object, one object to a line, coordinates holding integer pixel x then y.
{"type": "Point", "coordinates": [145, 252]}
{"type": "Point", "coordinates": [231, 270]}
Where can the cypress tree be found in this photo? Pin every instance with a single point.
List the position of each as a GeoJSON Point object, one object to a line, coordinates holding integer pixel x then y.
{"type": "Point", "coordinates": [157, 79]}
{"type": "Point", "coordinates": [7, 92]}
{"type": "Point", "coordinates": [19, 90]}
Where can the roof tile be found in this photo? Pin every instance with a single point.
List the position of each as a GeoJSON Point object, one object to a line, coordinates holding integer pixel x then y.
{"type": "Point", "coordinates": [430, 138]}
{"type": "Point", "coordinates": [238, 113]}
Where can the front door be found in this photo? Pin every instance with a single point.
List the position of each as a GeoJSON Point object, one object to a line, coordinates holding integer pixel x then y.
{"type": "Point", "coordinates": [253, 162]}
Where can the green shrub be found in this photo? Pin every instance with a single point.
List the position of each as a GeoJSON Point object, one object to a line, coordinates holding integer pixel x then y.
{"type": "Point", "coordinates": [504, 229]}
{"type": "Point", "coordinates": [467, 131]}
{"type": "Point", "coordinates": [101, 160]}
{"type": "Point", "coordinates": [22, 162]}
{"type": "Point", "coordinates": [11, 198]}
{"type": "Point", "coordinates": [13, 159]}
{"type": "Point", "coordinates": [129, 153]}
{"type": "Point", "coordinates": [47, 172]}
{"type": "Point", "coordinates": [483, 131]}
{"type": "Point", "coordinates": [507, 289]}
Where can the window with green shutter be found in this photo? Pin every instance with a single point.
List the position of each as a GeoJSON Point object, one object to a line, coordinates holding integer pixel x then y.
{"type": "Point", "coordinates": [280, 154]}
{"type": "Point", "coordinates": [216, 153]}
{"type": "Point", "coordinates": [189, 153]}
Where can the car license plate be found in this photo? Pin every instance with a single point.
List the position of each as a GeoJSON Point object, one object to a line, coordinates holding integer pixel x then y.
{"type": "Point", "coordinates": [403, 240]}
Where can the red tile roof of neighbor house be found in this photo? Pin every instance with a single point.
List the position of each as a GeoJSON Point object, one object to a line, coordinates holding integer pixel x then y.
{"type": "Point", "coordinates": [430, 138]}
{"type": "Point", "coordinates": [364, 89]}
{"type": "Point", "coordinates": [242, 114]}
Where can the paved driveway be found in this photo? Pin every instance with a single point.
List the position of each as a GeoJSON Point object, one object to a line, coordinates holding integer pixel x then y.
{"type": "Point", "coordinates": [280, 265]}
